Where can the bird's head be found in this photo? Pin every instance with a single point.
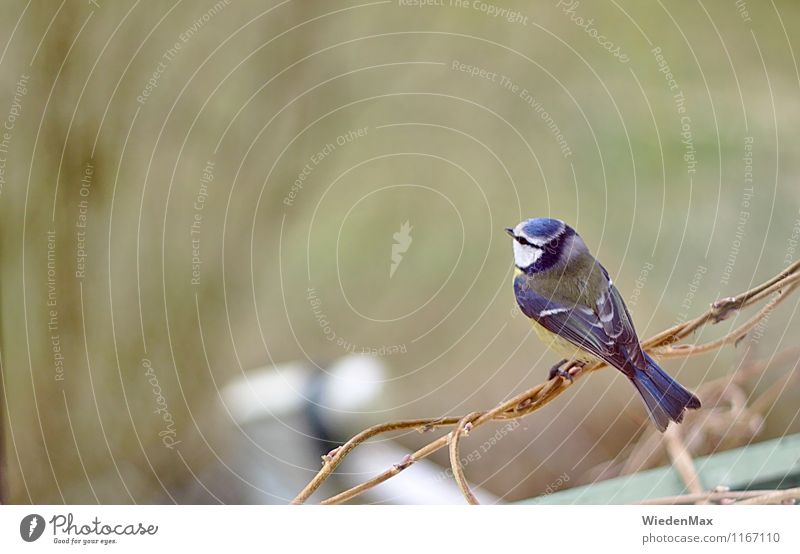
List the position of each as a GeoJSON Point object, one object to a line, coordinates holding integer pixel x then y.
{"type": "Point", "coordinates": [542, 243]}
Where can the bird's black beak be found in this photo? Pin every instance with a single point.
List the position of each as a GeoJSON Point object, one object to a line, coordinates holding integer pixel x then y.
{"type": "Point", "coordinates": [510, 231]}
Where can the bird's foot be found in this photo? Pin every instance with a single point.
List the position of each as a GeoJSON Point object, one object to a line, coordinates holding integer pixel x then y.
{"type": "Point", "coordinates": [564, 369]}
{"type": "Point", "coordinates": [558, 371]}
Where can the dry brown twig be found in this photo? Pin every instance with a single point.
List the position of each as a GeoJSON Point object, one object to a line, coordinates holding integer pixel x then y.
{"type": "Point", "coordinates": [729, 497]}
{"type": "Point", "coordinates": [462, 429]}
{"type": "Point", "coordinates": [774, 497]}
{"type": "Point", "coordinates": [778, 288]}
{"type": "Point", "coordinates": [681, 459]}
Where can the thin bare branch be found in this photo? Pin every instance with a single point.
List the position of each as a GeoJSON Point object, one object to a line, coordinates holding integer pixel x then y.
{"type": "Point", "coordinates": [709, 496]}
{"type": "Point", "coordinates": [682, 460]}
{"type": "Point", "coordinates": [685, 350]}
{"type": "Point", "coordinates": [423, 452]}
{"type": "Point", "coordinates": [774, 497]}
{"type": "Point", "coordinates": [334, 458]}
{"type": "Point", "coordinates": [455, 462]}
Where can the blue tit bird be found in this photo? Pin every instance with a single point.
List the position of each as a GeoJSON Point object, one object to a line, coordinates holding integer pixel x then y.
{"type": "Point", "coordinates": [577, 311]}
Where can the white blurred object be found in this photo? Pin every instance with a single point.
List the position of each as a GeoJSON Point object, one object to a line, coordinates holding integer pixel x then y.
{"type": "Point", "coordinates": [353, 383]}
{"type": "Point", "coordinates": [273, 391]}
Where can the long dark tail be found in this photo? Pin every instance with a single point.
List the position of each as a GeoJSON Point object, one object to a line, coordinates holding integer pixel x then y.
{"type": "Point", "coordinates": [665, 398]}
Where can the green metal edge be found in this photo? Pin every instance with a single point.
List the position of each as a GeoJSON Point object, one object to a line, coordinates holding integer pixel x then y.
{"type": "Point", "coordinates": [770, 464]}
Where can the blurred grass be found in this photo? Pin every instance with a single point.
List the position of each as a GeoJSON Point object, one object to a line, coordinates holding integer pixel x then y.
{"type": "Point", "coordinates": [485, 158]}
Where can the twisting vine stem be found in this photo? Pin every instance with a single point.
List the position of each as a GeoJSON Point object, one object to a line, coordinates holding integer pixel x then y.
{"type": "Point", "coordinates": [778, 288]}
{"type": "Point", "coordinates": [462, 428]}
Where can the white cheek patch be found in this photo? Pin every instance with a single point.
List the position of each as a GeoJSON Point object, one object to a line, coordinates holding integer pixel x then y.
{"type": "Point", "coordinates": [524, 255]}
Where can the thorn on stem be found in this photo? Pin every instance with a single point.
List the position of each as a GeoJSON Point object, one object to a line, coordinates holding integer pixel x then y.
{"type": "Point", "coordinates": [429, 426]}
{"type": "Point", "coordinates": [407, 460]}
{"type": "Point", "coordinates": [326, 458]}
{"type": "Point", "coordinates": [723, 308]}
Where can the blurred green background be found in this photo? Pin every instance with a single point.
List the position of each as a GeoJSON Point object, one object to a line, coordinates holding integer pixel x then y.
{"type": "Point", "coordinates": [195, 189]}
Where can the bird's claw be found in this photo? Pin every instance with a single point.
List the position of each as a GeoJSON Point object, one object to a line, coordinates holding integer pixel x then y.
{"type": "Point", "coordinates": [564, 375]}
{"type": "Point", "coordinates": [557, 371]}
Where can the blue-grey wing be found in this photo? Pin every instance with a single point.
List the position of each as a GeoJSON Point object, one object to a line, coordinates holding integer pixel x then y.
{"type": "Point", "coordinates": [578, 324]}
{"type": "Point", "coordinates": [617, 322]}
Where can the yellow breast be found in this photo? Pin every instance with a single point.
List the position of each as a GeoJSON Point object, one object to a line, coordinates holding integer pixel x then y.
{"type": "Point", "coordinates": [560, 345]}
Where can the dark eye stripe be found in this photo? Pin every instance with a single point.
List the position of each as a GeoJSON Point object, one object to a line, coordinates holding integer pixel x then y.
{"type": "Point", "coordinates": [523, 240]}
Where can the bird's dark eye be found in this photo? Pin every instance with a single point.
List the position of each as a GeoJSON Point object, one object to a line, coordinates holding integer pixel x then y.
{"type": "Point", "coordinates": [523, 240]}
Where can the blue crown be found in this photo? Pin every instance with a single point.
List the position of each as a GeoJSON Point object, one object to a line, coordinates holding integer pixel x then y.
{"type": "Point", "coordinates": [543, 227]}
